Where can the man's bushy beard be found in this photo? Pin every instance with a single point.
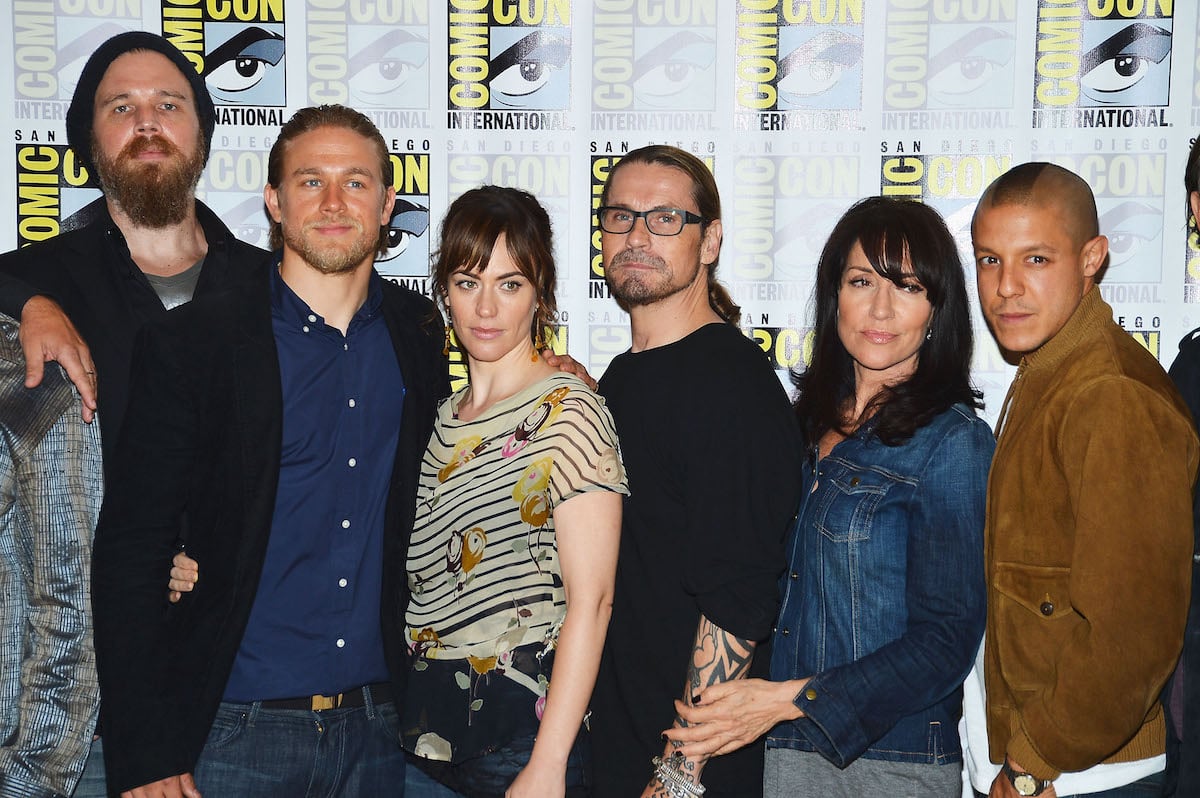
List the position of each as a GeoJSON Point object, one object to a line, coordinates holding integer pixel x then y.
{"type": "Point", "coordinates": [154, 194]}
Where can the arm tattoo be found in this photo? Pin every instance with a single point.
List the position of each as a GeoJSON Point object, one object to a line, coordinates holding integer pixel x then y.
{"type": "Point", "coordinates": [718, 656]}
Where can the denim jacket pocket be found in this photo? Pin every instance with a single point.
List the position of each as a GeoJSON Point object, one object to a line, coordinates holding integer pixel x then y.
{"type": "Point", "coordinates": [848, 511]}
{"type": "Point", "coordinates": [1033, 613]}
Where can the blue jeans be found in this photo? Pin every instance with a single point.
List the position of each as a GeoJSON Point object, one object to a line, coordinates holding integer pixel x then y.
{"type": "Point", "coordinates": [287, 753]}
{"type": "Point", "coordinates": [92, 783]}
{"type": "Point", "coordinates": [489, 776]}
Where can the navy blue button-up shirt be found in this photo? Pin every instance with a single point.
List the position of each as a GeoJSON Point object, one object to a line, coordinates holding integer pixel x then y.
{"type": "Point", "coordinates": [315, 624]}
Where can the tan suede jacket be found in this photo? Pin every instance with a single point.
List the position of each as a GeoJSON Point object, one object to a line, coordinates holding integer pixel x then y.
{"type": "Point", "coordinates": [1088, 550]}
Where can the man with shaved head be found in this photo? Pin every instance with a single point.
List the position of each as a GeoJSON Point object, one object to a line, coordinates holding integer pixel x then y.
{"type": "Point", "coordinates": [1088, 536]}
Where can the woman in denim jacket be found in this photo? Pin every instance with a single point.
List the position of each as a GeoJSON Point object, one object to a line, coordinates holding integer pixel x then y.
{"type": "Point", "coordinates": [883, 597]}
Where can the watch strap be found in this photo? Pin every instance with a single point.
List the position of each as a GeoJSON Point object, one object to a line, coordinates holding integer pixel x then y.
{"type": "Point", "coordinates": [1026, 779]}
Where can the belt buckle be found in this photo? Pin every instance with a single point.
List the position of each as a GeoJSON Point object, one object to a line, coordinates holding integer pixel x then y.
{"type": "Point", "coordinates": [320, 702]}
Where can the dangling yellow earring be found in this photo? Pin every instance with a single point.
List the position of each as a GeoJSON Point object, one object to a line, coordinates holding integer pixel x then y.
{"type": "Point", "coordinates": [446, 346]}
{"type": "Point", "coordinates": [538, 346]}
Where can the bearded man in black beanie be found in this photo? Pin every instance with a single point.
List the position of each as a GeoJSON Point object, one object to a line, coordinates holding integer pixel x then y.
{"type": "Point", "coordinates": [141, 120]}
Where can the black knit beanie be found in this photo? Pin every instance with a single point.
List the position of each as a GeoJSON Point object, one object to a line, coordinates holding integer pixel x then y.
{"type": "Point", "coordinates": [83, 103]}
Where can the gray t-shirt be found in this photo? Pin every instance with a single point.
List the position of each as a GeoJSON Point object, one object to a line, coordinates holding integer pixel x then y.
{"type": "Point", "coordinates": [177, 289]}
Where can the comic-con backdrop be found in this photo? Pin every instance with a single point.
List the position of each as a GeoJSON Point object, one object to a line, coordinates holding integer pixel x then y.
{"type": "Point", "coordinates": [799, 106]}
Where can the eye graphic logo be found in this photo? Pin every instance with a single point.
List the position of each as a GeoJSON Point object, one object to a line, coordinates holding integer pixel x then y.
{"type": "Point", "coordinates": [1131, 227]}
{"type": "Point", "coordinates": [245, 65]}
{"type": "Point", "coordinates": [1129, 66]}
{"type": "Point", "coordinates": [819, 71]}
{"type": "Point", "coordinates": [673, 69]}
{"type": "Point", "coordinates": [409, 220]}
{"type": "Point", "coordinates": [971, 69]}
{"type": "Point", "coordinates": [388, 67]}
{"type": "Point", "coordinates": [800, 236]}
{"type": "Point", "coordinates": [530, 69]}
{"type": "Point", "coordinates": [248, 220]}
{"type": "Point", "coordinates": [79, 48]}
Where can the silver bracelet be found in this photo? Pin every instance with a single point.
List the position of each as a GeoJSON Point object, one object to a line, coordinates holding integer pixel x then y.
{"type": "Point", "coordinates": [677, 784]}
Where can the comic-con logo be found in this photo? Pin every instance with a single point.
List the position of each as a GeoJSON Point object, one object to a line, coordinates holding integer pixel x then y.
{"type": "Point", "coordinates": [1145, 329]}
{"type": "Point", "coordinates": [544, 175]}
{"type": "Point", "coordinates": [53, 39]}
{"type": "Point", "coordinates": [608, 336]}
{"type": "Point", "coordinates": [368, 54]}
{"type": "Point", "coordinates": [1129, 190]}
{"type": "Point", "coordinates": [786, 348]}
{"type": "Point", "coordinates": [799, 55]}
{"type": "Point", "coordinates": [1102, 63]}
{"type": "Point", "coordinates": [237, 46]}
{"type": "Point", "coordinates": [1196, 85]}
{"type": "Point", "coordinates": [654, 55]}
{"type": "Point", "coordinates": [949, 182]}
{"type": "Point", "coordinates": [232, 186]}
{"type": "Point", "coordinates": [949, 55]}
{"type": "Point", "coordinates": [601, 165]}
{"type": "Point", "coordinates": [407, 256]}
{"type": "Point", "coordinates": [51, 185]}
{"type": "Point", "coordinates": [509, 55]}
{"type": "Point", "coordinates": [781, 211]}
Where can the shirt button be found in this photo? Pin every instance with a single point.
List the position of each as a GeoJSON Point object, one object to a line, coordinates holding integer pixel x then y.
{"type": "Point", "coordinates": [341, 643]}
{"type": "Point", "coordinates": [345, 523]}
{"type": "Point", "coordinates": [311, 317]}
{"type": "Point", "coordinates": [305, 328]}
{"type": "Point", "coordinates": [811, 694]}
{"type": "Point", "coordinates": [854, 482]}
{"type": "Point", "coordinates": [1047, 608]}
{"type": "Point", "coordinates": [352, 462]}
{"type": "Point", "coordinates": [342, 582]}
{"type": "Point", "coordinates": [785, 633]}
{"type": "Point", "coordinates": [795, 575]}
{"type": "Point", "coordinates": [351, 403]}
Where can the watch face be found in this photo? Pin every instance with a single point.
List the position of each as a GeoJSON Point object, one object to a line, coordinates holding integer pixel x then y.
{"type": "Point", "coordinates": [1025, 784]}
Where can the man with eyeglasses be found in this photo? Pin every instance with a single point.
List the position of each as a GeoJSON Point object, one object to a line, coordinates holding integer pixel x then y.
{"type": "Point", "coordinates": [713, 455]}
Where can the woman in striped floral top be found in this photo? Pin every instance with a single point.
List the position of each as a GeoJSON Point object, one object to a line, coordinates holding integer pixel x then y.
{"type": "Point", "coordinates": [514, 549]}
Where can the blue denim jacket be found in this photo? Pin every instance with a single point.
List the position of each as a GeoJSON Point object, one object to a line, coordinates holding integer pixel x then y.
{"type": "Point", "coordinates": [883, 598]}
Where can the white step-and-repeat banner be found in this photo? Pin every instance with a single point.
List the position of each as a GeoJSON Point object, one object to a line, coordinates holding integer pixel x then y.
{"type": "Point", "coordinates": [799, 106]}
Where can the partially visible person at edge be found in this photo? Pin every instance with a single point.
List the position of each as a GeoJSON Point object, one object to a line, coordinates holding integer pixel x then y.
{"type": "Point", "coordinates": [141, 121]}
{"type": "Point", "coordinates": [1088, 570]}
{"type": "Point", "coordinates": [514, 546]}
{"type": "Point", "coordinates": [1182, 696]}
{"type": "Point", "coordinates": [883, 598]}
{"type": "Point", "coordinates": [278, 429]}
{"type": "Point", "coordinates": [713, 457]}
{"type": "Point", "coordinates": [51, 483]}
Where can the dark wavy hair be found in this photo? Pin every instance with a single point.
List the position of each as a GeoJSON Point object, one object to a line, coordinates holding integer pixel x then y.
{"type": "Point", "coordinates": [893, 233]}
{"type": "Point", "coordinates": [471, 227]}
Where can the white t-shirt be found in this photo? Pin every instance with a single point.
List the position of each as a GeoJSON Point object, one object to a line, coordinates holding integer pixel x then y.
{"type": "Point", "coordinates": [979, 772]}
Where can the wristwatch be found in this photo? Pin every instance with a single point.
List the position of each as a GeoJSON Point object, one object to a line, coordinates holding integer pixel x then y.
{"type": "Point", "coordinates": [1024, 783]}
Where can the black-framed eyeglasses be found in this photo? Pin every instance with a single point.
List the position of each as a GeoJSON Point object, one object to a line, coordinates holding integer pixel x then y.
{"type": "Point", "coordinates": [660, 221]}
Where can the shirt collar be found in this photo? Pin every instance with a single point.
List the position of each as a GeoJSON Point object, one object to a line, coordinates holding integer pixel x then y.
{"type": "Point", "coordinates": [1091, 313]}
{"type": "Point", "coordinates": [293, 310]}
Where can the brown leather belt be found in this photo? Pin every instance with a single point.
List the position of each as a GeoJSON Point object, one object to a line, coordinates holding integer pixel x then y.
{"type": "Point", "coordinates": [380, 693]}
